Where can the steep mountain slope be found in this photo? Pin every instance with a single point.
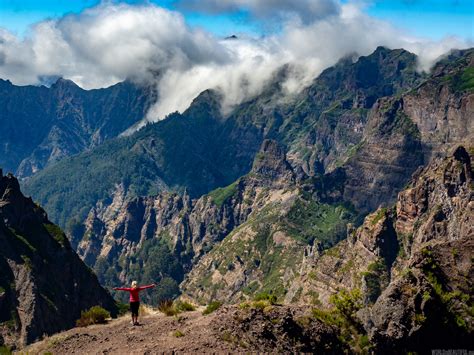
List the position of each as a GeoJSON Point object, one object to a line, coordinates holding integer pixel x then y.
{"type": "Point", "coordinates": [400, 283]}
{"type": "Point", "coordinates": [412, 264]}
{"type": "Point", "coordinates": [42, 125]}
{"type": "Point", "coordinates": [406, 131]}
{"type": "Point", "coordinates": [180, 152]}
{"type": "Point", "coordinates": [43, 283]}
{"type": "Point", "coordinates": [164, 236]}
{"type": "Point", "coordinates": [201, 150]}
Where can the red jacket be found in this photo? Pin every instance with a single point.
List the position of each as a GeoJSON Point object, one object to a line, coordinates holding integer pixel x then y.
{"type": "Point", "coordinates": [134, 292]}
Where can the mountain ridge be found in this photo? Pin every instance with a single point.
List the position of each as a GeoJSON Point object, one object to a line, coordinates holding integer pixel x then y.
{"type": "Point", "coordinates": [292, 201]}
{"type": "Point", "coordinates": [32, 304]}
{"type": "Point", "coordinates": [225, 147]}
{"type": "Point", "coordinates": [42, 125]}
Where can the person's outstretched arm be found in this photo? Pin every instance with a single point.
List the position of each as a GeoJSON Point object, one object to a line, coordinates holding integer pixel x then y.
{"type": "Point", "coordinates": [122, 288]}
{"type": "Point", "coordinates": [147, 286]}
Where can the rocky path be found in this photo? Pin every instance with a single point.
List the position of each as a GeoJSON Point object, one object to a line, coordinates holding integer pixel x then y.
{"type": "Point", "coordinates": [230, 329]}
{"type": "Point", "coordinates": [189, 332]}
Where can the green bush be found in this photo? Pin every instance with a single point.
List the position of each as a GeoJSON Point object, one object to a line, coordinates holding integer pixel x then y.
{"type": "Point", "coordinates": [183, 306]}
{"type": "Point", "coordinates": [211, 307]}
{"type": "Point", "coordinates": [343, 316]}
{"type": "Point", "coordinates": [261, 304]}
{"type": "Point", "coordinates": [95, 315]}
{"type": "Point", "coordinates": [264, 296]}
{"type": "Point", "coordinates": [168, 308]}
{"type": "Point", "coordinates": [347, 303]}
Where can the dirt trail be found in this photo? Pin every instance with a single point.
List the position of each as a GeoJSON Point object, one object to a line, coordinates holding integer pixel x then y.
{"type": "Point", "coordinates": [156, 334]}
{"type": "Point", "coordinates": [230, 329]}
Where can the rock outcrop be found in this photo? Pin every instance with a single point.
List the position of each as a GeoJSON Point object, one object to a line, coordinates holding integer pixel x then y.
{"type": "Point", "coordinates": [404, 132]}
{"type": "Point", "coordinates": [266, 203]}
{"type": "Point", "coordinates": [44, 285]}
{"type": "Point", "coordinates": [412, 263]}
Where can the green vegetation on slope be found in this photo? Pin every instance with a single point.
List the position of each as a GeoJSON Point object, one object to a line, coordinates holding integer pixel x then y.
{"type": "Point", "coordinates": [153, 263]}
{"type": "Point", "coordinates": [311, 221]}
{"type": "Point", "coordinates": [343, 316]}
{"type": "Point", "coordinates": [178, 153]}
{"type": "Point", "coordinates": [464, 81]}
{"type": "Point", "coordinates": [270, 245]}
{"type": "Point", "coordinates": [457, 306]}
{"type": "Point", "coordinates": [221, 194]}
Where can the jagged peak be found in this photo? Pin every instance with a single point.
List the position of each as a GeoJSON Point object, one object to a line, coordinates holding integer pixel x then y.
{"type": "Point", "coordinates": [208, 100]}
{"type": "Point", "coordinates": [385, 50]}
{"type": "Point", "coordinates": [208, 95]}
{"type": "Point", "coordinates": [5, 82]}
{"type": "Point", "coordinates": [64, 83]}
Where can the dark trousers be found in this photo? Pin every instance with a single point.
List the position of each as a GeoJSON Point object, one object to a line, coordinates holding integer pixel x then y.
{"type": "Point", "coordinates": [134, 306]}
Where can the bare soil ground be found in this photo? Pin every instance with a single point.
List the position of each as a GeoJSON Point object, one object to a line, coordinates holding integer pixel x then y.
{"type": "Point", "coordinates": [230, 329]}
{"type": "Point", "coordinates": [188, 332]}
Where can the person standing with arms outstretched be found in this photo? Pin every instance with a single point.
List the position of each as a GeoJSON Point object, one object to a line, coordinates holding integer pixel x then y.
{"type": "Point", "coordinates": [134, 298]}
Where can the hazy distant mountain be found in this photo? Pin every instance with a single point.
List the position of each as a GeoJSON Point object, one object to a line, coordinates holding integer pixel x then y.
{"type": "Point", "coordinates": [41, 125]}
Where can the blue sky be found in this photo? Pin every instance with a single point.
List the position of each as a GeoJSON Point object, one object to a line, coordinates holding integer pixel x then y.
{"type": "Point", "coordinates": [428, 18]}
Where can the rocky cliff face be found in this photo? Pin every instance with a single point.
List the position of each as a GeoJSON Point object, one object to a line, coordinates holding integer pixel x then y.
{"type": "Point", "coordinates": [258, 233]}
{"type": "Point", "coordinates": [443, 106]}
{"type": "Point", "coordinates": [44, 285]}
{"type": "Point", "coordinates": [202, 149]}
{"type": "Point", "coordinates": [412, 263]}
{"type": "Point", "coordinates": [268, 204]}
{"type": "Point", "coordinates": [334, 109]}
{"type": "Point", "coordinates": [42, 125]}
{"type": "Point", "coordinates": [406, 131]}
{"type": "Point", "coordinates": [189, 226]}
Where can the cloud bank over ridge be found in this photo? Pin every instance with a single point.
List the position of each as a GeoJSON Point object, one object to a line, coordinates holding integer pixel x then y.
{"type": "Point", "coordinates": [111, 42]}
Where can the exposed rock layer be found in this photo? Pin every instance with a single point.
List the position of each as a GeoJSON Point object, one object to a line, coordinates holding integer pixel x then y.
{"type": "Point", "coordinates": [412, 263]}
{"type": "Point", "coordinates": [44, 285]}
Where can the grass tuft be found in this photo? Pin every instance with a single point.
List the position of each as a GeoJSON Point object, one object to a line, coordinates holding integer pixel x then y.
{"type": "Point", "coordinates": [178, 334]}
{"type": "Point", "coordinates": [222, 194]}
{"type": "Point", "coordinates": [183, 306]}
{"type": "Point", "coordinates": [211, 307]}
{"type": "Point", "coordinates": [95, 315]}
{"type": "Point", "coordinates": [167, 307]}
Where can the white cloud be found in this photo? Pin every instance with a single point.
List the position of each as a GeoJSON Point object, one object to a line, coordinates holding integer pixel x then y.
{"type": "Point", "coordinates": [110, 42]}
{"type": "Point", "coordinates": [106, 44]}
